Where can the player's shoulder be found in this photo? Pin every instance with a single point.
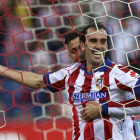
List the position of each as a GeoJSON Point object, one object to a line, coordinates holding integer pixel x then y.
{"type": "Point", "coordinates": [118, 69]}
{"type": "Point", "coordinates": [65, 70]}
{"type": "Point", "coordinates": [124, 70]}
{"type": "Point", "coordinates": [73, 66]}
{"type": "Point", "coordinates": [121, 68]}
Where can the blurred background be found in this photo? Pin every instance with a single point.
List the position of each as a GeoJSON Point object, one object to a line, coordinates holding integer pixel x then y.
{"type": "Point", "coordinates": [32, 39]}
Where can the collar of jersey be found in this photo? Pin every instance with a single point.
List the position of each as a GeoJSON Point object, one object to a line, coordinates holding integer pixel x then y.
{"type": "Point", "coordinates": [103, 68]}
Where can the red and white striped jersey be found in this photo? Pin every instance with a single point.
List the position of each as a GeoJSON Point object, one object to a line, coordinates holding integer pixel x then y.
{"type": "Point", "coordinates": [114, 86]}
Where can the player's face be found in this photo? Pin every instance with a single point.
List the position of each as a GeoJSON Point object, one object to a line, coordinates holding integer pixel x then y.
{"type": "Point", "coordinates": [98, 42]}
{"type": "Point", "coordinates": [74, 45]}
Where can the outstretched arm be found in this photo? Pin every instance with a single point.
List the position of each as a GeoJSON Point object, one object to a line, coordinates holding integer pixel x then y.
{"type": "Point", "coordinates": [29, 79]}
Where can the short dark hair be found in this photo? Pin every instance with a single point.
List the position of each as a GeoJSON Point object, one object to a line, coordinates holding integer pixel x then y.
{"type": "Point", "coordinates": [72, 35]}
{"type": "Point", "coordinates": [100, 26]}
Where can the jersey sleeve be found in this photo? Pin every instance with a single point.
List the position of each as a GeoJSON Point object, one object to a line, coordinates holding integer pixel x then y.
{"type": "Point", "coordinates": [127, 80]}
{"type": "Point", "coordinates": [128, 107]}
{"type": "Point", "coordinates": [125, 77]}
{"type": "Point", "coordinates": [56, 80]}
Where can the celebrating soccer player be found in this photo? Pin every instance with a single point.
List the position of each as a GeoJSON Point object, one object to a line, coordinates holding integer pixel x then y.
{"type": "Point", "coordinates": [89, 85]}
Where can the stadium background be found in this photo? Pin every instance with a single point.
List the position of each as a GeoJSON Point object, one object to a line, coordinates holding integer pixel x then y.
{"type": "Point", "coordinates": [32, 39]}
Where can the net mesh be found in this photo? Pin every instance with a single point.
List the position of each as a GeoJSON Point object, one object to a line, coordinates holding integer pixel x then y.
{"type": "Point", "coordinates": [32, 39]}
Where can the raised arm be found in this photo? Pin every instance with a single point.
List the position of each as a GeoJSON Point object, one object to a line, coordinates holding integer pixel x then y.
{"type": "Point", "coordinates": [29, 79]}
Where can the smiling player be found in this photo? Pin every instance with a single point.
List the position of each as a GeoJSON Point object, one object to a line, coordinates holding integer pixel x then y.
{"type": "Point", "coordinates": [93, 76]}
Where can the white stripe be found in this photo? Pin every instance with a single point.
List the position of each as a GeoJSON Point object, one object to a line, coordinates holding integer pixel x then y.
{"type": "Point", "coordinates": [82, 126]}
{"type": "Point", "coordinates": [132, 110]}
{"type": "Point", "coordinates": [116, 128]}
{"type": "Point", "coordinates": [116, 110]}
{"type": "Point", "coordinates": [127, 130]}
{"type": "Point", "coordinates": [77, 88]}
{"type": "Point", "coordinates": [80, 80]}
{"type": "Point", "coordinates": [59, 75]}
{"type": "Point", "coordinates": [67, 87]}
{"type": "Point", "coordinates": [98, 126]}
{"type": "Point", "coordinates": [121, 111]}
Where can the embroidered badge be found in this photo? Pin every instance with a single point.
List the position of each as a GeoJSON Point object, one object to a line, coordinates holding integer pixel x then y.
{"type": "Point", "coordinates": [99, 83]}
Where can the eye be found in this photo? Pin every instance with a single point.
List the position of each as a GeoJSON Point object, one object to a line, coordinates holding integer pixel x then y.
{"type": "Point", "coordinates": [103, 41]}
{"type": "Point", "coordinates": [93, 40]}
{"type": "Point", "coordinates": [74, 50]}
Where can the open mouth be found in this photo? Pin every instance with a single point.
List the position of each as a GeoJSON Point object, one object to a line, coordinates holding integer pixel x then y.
{"type": "Point", "coordinates": [96, 53]}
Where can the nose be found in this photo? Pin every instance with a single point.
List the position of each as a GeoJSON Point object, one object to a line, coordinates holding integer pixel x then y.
{"type": "Point", "coordinates": [98, 46]}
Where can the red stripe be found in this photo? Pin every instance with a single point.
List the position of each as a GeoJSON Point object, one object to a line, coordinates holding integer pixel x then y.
{"type": "Point", "coordinates": [133, 104]}
{"type": "Point", "coordinates": [107, 124]}
{"type": "Point", "coordinates": [106, 75]}
{"type": "Point", "coordinates": [106, 82]}
{"type": "Point", "coordinates": [129, 103]}
{"type": "Point", "coordinates": [71, 81]}
{"type": "Point", "coordinates": [59, 84]}
{"type": "Point", "coordinates": [86, 87]}
{"type": "Point", "coordinates": [88, 131]}
{"type": "Point", "coordinates": [114, 104]}
{"type": "Point", "coordinates": [76, 123]}
{"type": "Point", "coordinates": [107, 128]}
{"type": "Point", "coordinates": [124, 69]}
{"type": "Point", "coordinates": [122, 86]}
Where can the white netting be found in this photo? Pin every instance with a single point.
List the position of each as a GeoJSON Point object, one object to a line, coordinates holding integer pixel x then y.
{"type": "Point", "coordinates": [32, 39]}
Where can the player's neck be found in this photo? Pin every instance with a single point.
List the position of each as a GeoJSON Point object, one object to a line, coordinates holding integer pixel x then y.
{"type": "Point", "coordinates": [91, 67]}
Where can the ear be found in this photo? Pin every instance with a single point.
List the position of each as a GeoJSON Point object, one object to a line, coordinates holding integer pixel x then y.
{"type": "Point", "coordinates": [82, 45]}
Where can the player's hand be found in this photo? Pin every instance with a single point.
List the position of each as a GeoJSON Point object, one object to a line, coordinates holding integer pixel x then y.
{"type": "Point", "coordinates": [91, 111]}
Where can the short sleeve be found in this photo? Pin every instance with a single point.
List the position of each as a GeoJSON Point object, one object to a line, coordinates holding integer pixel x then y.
{"type": "Point", "coordinates": [126, 76]}
{"type": "Point", "coordinates": [56, 80]}
{"type": "Point", "coordinates": [127, 79]}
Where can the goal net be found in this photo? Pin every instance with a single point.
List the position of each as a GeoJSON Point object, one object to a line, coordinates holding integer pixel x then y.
{"type": "Point", "coordinates": [32, 35]}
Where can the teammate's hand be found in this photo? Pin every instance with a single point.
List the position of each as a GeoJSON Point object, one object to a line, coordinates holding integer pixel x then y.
{"type": "Point", "coordinates": [91, 111]}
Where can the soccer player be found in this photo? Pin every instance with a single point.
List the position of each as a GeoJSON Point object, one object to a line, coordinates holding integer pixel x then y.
{"type": "Point", "coordinates": [120, 81]}
{"type": "Point", "coordinates": [92, 109]}
{"type": "Point", "coordinates": [79, 80]}
{"type": "Point", "coordinates": [72, 40]}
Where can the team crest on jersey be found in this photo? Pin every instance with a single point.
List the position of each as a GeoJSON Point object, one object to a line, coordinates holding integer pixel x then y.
{"type": "Point", "coordinates": [99, 83]}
